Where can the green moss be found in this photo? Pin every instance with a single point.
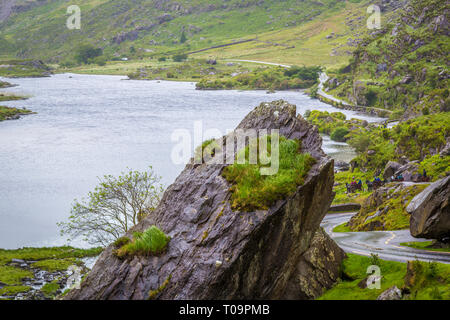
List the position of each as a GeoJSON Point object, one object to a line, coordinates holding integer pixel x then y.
{"type": "Point", "coordinates": [153, 293]}
{"type": "Point", "coordinates": [152, 241]}
{"type": "Point", "coordinates": [251, 190]}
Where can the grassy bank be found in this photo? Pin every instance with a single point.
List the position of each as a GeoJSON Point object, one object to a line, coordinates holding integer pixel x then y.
{"type": "Point", "coordinates": [8, 113]}
{"type": "Point", "coordinates": [418, 281]}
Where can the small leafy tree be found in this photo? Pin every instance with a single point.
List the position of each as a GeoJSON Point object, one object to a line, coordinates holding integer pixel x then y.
{"type": "Point", "coordinates": [115, 205]}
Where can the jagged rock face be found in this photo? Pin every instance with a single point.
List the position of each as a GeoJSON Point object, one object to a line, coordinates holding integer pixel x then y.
{"type": "Point", "coordinates": [218, 253]}
{"type": "Point", "coordinates": [430, 211]}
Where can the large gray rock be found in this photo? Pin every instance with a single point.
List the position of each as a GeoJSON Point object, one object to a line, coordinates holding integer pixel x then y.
{"type": "Point", "coordinates": [218, 253]}
{"type": "Point", "coordinates": [390, 169]}
{"type": "Point", "coordinates": [430, 211]}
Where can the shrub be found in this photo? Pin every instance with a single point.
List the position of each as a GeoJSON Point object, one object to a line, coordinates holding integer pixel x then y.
{"type": "Point", "coordinates": [339, 134]}
{"type": "Point", "coordinates": [86, 52]}
{"type": "Point", "coordinates": [150, 242]}
{"type": "Point", "coordinates": [179, 57]}
{"type": "Point", "coordinates": [161, 59]}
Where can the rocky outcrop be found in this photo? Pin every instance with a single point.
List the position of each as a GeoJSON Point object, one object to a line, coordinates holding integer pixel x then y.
{"type": "Point", "coordinates": [393, 293]}
{"type": "Point", "coordinates": [218, 253]}
{"type": "Point", "coordinates": [390, 169]}
{"type": "Point", "coordinates": [430, 211]}
{"type": "Point", "coordinates": [385, 208]}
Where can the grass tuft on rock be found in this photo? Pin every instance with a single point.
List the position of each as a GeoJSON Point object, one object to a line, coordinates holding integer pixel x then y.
{"type": "Point", "coordinates": [252, 191]}
{"type": "Point", "coordinates": [152, 241]}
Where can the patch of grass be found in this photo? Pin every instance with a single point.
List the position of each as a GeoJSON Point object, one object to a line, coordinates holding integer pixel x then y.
{"type": "Point", "coordinates": [13, 290]}
{"type": "Point", "coordinates": [50, 288]}
{"type": "Point", "coordinates": [251, 190]}
{"type": "Point", "coordinates": [423, 245]}
{"type": "Point", "coordinates": [13, 276]}
{"type": "Point", "coordinates": [354, 270]}
{"type": "Point", "coordinates": [36, 254]}
{"type": "Point", "coordinates": [55, 264]}
{"type": "Point", "coordinates": [342, 228]}
{"type": "Point", "coordinates": [152, 241]}
{"type": "Point", "coordinates": [6, 112]}
{"type": "Point", "coordinates": [423, 280]}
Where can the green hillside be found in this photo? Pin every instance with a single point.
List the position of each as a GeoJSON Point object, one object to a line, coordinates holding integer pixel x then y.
{"type": "Point", "coordinates": [404, 66]}
{"type": "Point", "coordinates": [145, 28]}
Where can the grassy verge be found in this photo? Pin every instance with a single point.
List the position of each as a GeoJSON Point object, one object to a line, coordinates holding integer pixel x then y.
{"type": "Point", "coordinates": [420, 281]}
{"type": "Point", "coordinates": [423, 245]}
{"type": "Point", "coordinates": [251, 190]}
{"type": "Point", "coordinates": [342, 228]}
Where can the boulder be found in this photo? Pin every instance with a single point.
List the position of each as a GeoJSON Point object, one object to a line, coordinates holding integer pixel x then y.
{"type": "Point", "coordinates": [390, 169]}
{"type": "Point", "coordinates": [409, 171]}
{"type": "Point", "coordinates": [445, 152]}
{"type": "Point", "coordinates": [393, 293]}
{"type": "Point", "coordinates": [218, 253]}
{"type": "Point", "coordinates": [430, 211]}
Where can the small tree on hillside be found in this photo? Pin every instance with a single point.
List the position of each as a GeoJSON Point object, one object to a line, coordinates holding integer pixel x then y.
{"type": "Point", "coordinates": [115, 205]}
{"type": "Point", "coordinates": [86, 53]}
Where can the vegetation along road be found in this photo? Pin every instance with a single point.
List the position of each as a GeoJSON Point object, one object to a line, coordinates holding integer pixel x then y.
{"type": "Point", "coordinates": [386, 244]}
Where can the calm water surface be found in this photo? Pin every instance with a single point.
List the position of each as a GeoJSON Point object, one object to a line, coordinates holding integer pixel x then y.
{"type": "Point", "coordinates": [87, 126]}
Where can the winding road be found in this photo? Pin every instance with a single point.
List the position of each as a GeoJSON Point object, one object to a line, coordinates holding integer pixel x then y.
{"type": "Point", "coordinates": [386, 244]}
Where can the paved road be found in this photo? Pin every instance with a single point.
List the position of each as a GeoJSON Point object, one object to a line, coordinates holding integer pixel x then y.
{"type": "Point", "coordinates": [262, 62]}
{"type": "Point", "coordinates": [384, 243]}
{"type": "Point", "coordinates": [322, 79]}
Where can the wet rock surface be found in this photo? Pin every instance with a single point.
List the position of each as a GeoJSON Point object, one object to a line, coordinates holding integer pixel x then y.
{"type": "Point", "coordinates": [218, 253]}
{"type": "Point", "coordinates": [430, 211]}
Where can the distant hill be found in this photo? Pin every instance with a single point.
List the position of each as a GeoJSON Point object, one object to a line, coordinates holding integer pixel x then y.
{"type": "Point", "coordinates": [140, 28]}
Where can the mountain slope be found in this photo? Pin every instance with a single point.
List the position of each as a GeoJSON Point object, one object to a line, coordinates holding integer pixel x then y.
{"type": "Point", "coordinates": [37, 28]}
{"type": "Point", "coordinates": [404, 66]}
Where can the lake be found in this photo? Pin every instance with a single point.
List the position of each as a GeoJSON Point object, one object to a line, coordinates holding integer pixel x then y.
{"type": "Point", "coordinates": [87, 126]}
